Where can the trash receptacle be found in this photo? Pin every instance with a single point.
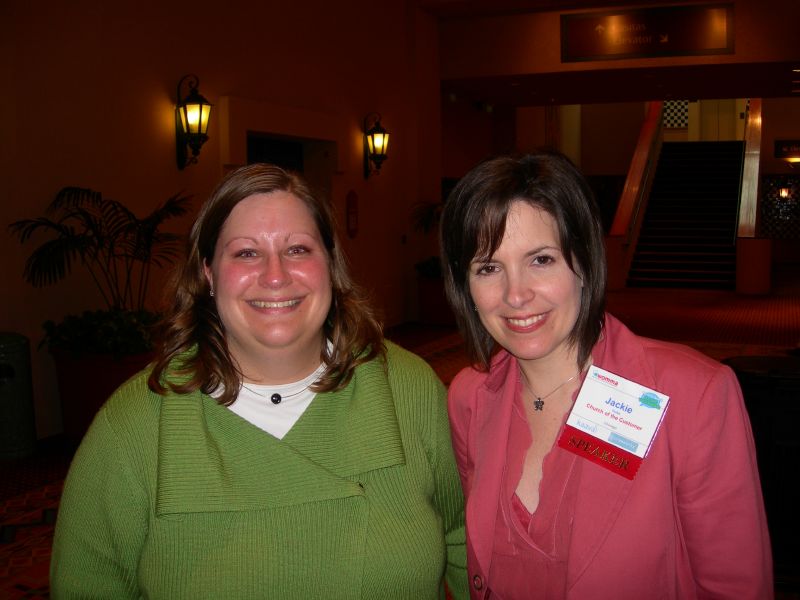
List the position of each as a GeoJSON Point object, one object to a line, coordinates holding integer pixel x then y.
{"type": "Point", "coordinates": [17, 424]}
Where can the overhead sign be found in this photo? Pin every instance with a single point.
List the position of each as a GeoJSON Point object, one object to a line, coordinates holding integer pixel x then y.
{"type": "Point", "coordinates": [647, 33]}
{"type": "Point", "coordinates": [787, 148]}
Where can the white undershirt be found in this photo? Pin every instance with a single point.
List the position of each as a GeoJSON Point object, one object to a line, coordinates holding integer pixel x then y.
{"type": "Point", "coordinates": [254, 405]}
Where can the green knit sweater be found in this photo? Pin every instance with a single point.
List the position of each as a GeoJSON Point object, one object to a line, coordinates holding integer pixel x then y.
{"type": "Point", "coordinates": [178, 497]}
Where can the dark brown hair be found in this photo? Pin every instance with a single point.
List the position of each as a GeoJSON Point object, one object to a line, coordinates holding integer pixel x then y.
{"type": "Point", "coordinates": [193, 352]}
{"type": "Point", "coordinates": [474, 221]}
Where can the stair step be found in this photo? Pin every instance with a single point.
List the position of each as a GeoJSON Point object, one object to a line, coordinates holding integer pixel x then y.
{"type": "Point", "coordinates": [681, 273]}
{"type": "Point", "coordinates": [682, 283]}
{"type": "Point", "coordinates": [685, 244]}
{"type": "Point", "coordinates": [696, 229]}
{"type": "Point", "coordinates": [665, 263]}
{"type": "Point", "coordinates": [688, 256]}
{"type": "Point", "coordinates": [688, 230]}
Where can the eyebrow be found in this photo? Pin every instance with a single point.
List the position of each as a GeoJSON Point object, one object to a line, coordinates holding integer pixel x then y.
{"type": "Point", "coordinates": [255, 240]}
{"type": "Point", "coordinates": [529, 253]}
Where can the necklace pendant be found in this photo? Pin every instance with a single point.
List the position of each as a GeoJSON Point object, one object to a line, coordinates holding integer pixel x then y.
{"type": "Point", "coordinates": [538, 404]}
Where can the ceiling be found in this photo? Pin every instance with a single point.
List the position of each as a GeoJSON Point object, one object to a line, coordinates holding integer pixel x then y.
{"type": "Point", "coordinates": [448, 9]}
{"type": "Point", "coordinates": [741, 80]}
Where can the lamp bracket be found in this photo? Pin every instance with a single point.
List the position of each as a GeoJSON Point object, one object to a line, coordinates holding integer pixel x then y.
{"type": "Point", "coordinates": [185, 139]}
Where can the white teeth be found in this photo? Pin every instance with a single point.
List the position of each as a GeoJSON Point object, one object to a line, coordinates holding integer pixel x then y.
{"type": "Point", "coordinates": [526, 322]}
{"type": "Point", "coordinates": [283, 304]}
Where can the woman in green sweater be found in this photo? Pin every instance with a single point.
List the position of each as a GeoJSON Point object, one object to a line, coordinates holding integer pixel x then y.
{"type": "Point", "coordinates": [278, 447]}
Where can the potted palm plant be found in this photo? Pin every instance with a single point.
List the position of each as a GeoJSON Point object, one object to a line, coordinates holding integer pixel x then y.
{"type": "Point", "coordinates": [95, 351]}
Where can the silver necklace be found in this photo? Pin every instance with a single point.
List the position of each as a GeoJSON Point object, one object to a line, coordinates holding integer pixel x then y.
{"type": "Point", "coordinates": [277, 398]}
{"type": "Point", "coordinates": [538, 404]}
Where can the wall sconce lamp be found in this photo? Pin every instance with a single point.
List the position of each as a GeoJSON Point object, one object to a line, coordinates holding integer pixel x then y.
{"type": "Point", "coordinates": [376, 143]}
{"type": "Point", "coordinates": [191, 121]}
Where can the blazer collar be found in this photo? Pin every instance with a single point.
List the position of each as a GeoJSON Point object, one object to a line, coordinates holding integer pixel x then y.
{"type": "Point", "coordinates": [210, 459]}
{"type": "Point", "coordinates": [493, 408]}
{"type": "Point", "coordinates": [622, 353]}
{"type": "Point", "coordinates": [603, 493]}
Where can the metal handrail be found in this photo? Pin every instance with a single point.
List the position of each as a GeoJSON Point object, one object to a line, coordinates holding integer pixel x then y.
{"type": "Point", "coordinates": [748, 192]}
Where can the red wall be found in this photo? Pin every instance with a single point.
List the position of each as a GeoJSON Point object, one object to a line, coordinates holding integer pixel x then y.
{"type": "Point", "coordinates": [88, 97]}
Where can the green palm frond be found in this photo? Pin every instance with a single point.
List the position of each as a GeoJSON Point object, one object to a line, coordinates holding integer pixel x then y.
{"type": "Point", "coordinates": [74, 196]}
{"type": "Point", "coordinates": [105, 237]}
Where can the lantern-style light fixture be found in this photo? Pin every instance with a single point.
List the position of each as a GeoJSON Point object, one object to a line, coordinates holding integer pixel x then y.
{"type": "Point", "coordinates": [376, 143]}
{"type": "Point", "coordinates": [191, 121]}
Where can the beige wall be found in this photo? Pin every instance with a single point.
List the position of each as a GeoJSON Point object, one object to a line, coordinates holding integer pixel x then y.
{"type": "Point", "coordinates": [88, 96]}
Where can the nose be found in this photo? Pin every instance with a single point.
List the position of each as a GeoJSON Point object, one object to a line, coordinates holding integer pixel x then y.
{"type": "Point", "coordinates": [274, 274]}
{"type": "Point", "coordinates": [518, 289]}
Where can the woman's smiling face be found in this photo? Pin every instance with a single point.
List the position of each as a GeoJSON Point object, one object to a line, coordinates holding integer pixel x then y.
{"type": "Point", "coordinates": [526, 295]}
{"type": "Point", "coordinates": [271, 280]}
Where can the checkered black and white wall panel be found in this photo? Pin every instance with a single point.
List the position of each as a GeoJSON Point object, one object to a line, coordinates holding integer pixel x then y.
{"type": "Point", "coordinates": [676, 114]}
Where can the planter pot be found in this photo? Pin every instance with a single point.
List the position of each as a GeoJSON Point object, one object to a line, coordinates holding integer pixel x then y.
{"type": "Point", "coordinates": [85, 382]}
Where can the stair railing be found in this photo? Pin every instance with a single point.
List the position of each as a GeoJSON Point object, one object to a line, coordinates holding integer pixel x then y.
{"type": "Point", "coordinates": [748, 190]}
{"type": "Point", "coordinates": [624, 233]}
{"type": "Point", "coordinates": [753, 254]}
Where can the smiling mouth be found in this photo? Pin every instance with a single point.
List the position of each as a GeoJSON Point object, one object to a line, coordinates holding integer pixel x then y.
{"type": "Point", "coordinates": [525, 322]}
{"type": "Point", "coordinates": [281, 304]}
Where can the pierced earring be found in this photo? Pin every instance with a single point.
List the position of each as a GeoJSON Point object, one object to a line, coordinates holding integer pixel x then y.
{"type": "Point", "coordinates": [475, 307]}
{"type": "Point", "coordinates": [211, 292]}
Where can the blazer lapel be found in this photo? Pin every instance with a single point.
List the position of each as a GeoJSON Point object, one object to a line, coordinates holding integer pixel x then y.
{"type": "Point", "coordinates": [603, 493]}
{"type": "Point", "coordinates": [493, 405]}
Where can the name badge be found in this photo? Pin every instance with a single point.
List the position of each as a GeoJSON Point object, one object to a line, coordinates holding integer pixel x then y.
{"type": "Point", "coordinates": [613, 422]}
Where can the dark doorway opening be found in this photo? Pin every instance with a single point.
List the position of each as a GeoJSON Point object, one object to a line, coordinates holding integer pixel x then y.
{"type": "Point", "coordinates": [285, 153]}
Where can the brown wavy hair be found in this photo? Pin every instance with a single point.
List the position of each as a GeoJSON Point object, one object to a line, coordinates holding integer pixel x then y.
{"type": "Point", "coordinates": [474, 221]}
{"type": "Point", "coordinates": [193, 352]}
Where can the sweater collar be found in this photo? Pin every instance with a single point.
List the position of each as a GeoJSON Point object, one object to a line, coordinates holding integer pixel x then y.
{"type": "Point", "coordinates": [212, 460]}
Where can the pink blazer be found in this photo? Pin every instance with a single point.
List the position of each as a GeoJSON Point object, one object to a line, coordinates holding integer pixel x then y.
{"type": "Point", "coordinates": [690, 525]}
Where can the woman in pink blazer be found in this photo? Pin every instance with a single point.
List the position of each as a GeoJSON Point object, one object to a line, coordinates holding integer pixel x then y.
{"type": "Point", "coordinates": [555, 509]}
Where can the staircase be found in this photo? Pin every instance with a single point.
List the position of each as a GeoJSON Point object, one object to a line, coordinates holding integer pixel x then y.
{"type": "Point", "coordinates": [688, 236]}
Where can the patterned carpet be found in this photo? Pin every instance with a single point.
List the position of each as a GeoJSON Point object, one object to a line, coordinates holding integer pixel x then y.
{"type": "Point", "coordinates": [710, 316]}
{"type": "Point", "coordinates": [26, 534]}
